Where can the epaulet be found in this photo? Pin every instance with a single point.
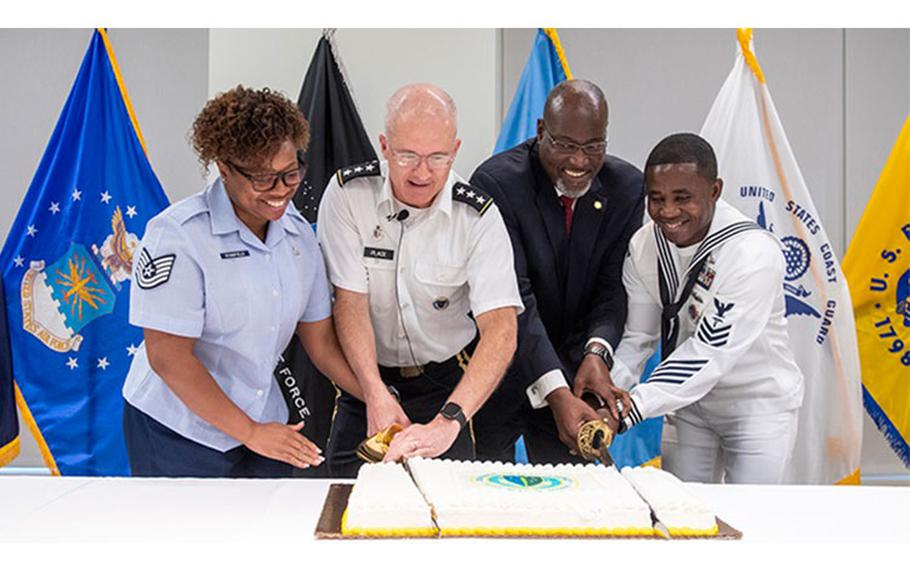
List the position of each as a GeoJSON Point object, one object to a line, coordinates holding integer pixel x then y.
{"type": "Point", "coordinates": [348, 173]}
{"type": "Point", "coordinates": [476, 198]}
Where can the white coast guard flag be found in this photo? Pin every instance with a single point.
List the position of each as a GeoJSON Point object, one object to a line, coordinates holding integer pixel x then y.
{"type": "Point", "coordinates": [762, 179]}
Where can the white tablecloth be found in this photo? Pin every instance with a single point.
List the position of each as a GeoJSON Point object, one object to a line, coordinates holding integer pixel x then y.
{"type": "Point", "coordinates": [54, 509]}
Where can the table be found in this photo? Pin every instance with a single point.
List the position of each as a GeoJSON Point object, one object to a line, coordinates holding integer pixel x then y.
{"type": "Point", "coordinates": [271, 514]}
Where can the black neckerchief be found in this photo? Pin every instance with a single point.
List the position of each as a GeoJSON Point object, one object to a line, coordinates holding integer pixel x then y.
{"type": "Point", "coordinates": [669, 283]}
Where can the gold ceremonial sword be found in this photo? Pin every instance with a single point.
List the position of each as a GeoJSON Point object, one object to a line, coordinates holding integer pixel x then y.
{"type": "Point", "coordinates": [595, 436]}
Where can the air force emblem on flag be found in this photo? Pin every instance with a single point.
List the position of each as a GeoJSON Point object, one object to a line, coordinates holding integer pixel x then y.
{"type": "Point", "coordinates": [60, 299]}
{"type": "Point", "coordinates": [153, 272]}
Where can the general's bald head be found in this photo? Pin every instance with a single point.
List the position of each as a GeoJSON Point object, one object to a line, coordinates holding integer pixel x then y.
{"type": "Point", "coordinates": [577, 98]}
{"type": "Point", "coordinates": [421, 102]}
{"type": "Point", "coordinates": [420, 142]}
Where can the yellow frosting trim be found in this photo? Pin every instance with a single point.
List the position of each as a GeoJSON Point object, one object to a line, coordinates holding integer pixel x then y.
{"type": "Point", "coordinates": [519, 531]}
{"type": "Point", "coordinates": [693, 532]}
{"type": "Point", "coordinates": [384, 532]}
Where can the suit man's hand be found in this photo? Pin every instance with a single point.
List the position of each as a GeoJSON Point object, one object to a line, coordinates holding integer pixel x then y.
{"type": "Point", "coordinates": [594, 376]}
{"type": "Point", "coordinates": [569, 412]}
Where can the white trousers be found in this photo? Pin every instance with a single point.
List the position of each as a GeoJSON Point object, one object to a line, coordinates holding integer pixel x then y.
{"type": "Point", "coordinates": [748, 449]}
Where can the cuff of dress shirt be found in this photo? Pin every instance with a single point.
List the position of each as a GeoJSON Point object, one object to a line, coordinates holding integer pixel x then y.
{"type": "Point", "coordinates": [603, 342]}
{"type": "Point", "coordinates": [547, 383]}
{"type": "Point", "coordinates": [635, 415]}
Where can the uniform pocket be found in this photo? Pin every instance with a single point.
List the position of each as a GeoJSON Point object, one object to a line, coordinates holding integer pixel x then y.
{"type": "Point", "coordinates": [442, 275]}
{"type": "Point", "coordinates": [441, 285]}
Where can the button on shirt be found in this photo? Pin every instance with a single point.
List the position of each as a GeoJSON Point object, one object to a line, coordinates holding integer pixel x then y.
{"type": "Point", "coordinates": [423, 275]}
{"type": "Point", "coordinates": [239, 297]}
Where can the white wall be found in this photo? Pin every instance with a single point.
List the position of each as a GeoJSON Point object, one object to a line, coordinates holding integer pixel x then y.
{"type": "Point", "coordinates": [463, 62]}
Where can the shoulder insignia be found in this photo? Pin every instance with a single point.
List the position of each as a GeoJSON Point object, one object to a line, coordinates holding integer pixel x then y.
{"type": "Point", "coordinates": [348, 173]}
{"type": "Point", "coordinates": [153, 272]}
{"type": "Point", "coordinates": [476, 198]}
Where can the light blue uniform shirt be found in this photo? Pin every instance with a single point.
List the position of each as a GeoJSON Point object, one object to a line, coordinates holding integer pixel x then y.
{"type": "Point", "coordinates": [239, 297]}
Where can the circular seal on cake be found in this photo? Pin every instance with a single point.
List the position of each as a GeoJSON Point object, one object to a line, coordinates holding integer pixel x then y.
{"type": "Point", "coordinates": [525, 482]}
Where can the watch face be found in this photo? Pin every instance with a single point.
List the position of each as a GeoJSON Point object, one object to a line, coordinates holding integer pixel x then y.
{"type": "Point", "coordinates": [597, 349]}
{"type": "Point", "coordinates": [450, 410]}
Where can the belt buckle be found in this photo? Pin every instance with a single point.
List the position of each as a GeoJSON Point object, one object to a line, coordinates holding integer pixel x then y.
{"type": "Point", "coordinates": [411, 372]}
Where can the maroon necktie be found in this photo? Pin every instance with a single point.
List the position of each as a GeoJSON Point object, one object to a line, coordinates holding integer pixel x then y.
{"type": "Point", "coordinates": [567, 205]}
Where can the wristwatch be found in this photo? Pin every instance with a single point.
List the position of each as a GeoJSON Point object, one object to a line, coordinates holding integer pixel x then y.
{"type": "Point", "coordinates": [452, 411]}
{"type": "Point", "coordinates": [599, 349]}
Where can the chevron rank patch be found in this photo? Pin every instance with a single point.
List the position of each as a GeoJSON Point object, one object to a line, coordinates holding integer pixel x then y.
{"type": "Point", "coordinates": [153, 272]}
{"type": "Point", "coordinates": [476, 198]}
{"type": "Point", "coordinates": [713, 330]}
{"type": "Point", "coordinates": [348, 173]}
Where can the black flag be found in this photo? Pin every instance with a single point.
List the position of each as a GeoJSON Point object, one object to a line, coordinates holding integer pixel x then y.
{"type": "Point", "coordinates": [337, 139]}
{"type": "Point", "coordinates": [9, 422]}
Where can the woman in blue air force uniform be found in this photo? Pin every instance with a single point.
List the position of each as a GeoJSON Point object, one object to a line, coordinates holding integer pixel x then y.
{"type": "Point", "coordinates": [221, 282]}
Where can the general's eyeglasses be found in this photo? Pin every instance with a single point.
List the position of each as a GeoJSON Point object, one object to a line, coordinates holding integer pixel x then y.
{"type": "Point", "coordinates": [594, 149]}
{"type": "Point", "coordinates": [267, 182]}
{"type": "Point", "coordinates": [412, 160]}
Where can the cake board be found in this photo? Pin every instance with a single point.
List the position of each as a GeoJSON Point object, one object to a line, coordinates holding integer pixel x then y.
{"type": "Point", "coordinates": [336, 501]}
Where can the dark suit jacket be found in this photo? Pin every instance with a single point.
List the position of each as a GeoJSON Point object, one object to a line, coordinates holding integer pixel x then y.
{"type": "Point", "coordinates": [571, 285]}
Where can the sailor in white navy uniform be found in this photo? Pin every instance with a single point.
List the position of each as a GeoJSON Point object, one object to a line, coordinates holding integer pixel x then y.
{"type": "Point", "coordinates": [421, 262]}
{"type": "Point", "coordinates": [709, 283]}
{"type": "Point", "coordinates": [221, 282]}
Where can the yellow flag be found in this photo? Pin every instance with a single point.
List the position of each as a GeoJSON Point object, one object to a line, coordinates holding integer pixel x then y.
{"type": "Point", "coordinates": [877, 267]}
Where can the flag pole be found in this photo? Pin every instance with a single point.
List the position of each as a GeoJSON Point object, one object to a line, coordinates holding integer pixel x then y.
{"type": "Point", "coordinates": [744, 36]}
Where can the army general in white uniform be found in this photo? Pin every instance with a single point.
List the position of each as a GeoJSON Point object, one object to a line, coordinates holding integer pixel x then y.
{"type": "Point", "coordinates": [425, 292]}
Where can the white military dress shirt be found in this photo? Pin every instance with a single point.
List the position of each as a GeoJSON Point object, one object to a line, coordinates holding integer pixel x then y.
{"type": "Point", "coordinates": [733, 356]}
{"type": "Point", "coordinates": [200, 272]}
{"type": "Point", "coordinates": [423, 275]}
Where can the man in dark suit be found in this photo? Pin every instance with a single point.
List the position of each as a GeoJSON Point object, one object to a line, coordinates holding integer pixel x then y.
{"type": "Point", "coordinates": [570, 210]}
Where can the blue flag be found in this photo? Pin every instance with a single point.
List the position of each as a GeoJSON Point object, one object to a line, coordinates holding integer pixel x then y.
{"type": "Point", "coordinates": [66, 271]}
{"type": "Point", "coordinates": [546, 68]}
{"type": "Point", "coordinates": [9, 421]}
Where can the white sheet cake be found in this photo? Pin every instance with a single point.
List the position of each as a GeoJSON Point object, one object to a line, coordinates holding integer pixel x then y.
{"type": "Point", "coordinates": [674, 505]}
{"type": "Point", "coordinates": [478, 498]}
{"type": "Point", "coordinates": [496, 499]}
{"type": "Point", "coordinates": [385, 502]}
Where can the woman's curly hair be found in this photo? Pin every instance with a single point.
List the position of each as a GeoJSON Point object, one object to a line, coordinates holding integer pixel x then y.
{"type": "Point", "coordinates": [247, 126]}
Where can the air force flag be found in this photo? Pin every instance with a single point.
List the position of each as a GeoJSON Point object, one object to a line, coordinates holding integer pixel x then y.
{"type": "Point", "coordinates": [66, 269]}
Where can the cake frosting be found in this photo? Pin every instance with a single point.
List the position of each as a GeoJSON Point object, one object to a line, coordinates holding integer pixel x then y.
{"type": "Point", "coordinates": [478, 498]}
{"type": "Point", "coordinates": [385, 502]}
{"type": "Point", "coordinates": [434, 497]}
{"type": "Point", "coordinates": [674, 505]}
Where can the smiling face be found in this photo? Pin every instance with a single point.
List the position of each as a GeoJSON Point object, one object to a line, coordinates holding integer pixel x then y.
{"type": "Point", "coordinates": [681, 201]}
{"type": "Point", "coordinates": [560, 135]}
{"type": "Point", "coordinates": [426, 135]}
{"type": "Point", "coordinates": [256, 208]}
